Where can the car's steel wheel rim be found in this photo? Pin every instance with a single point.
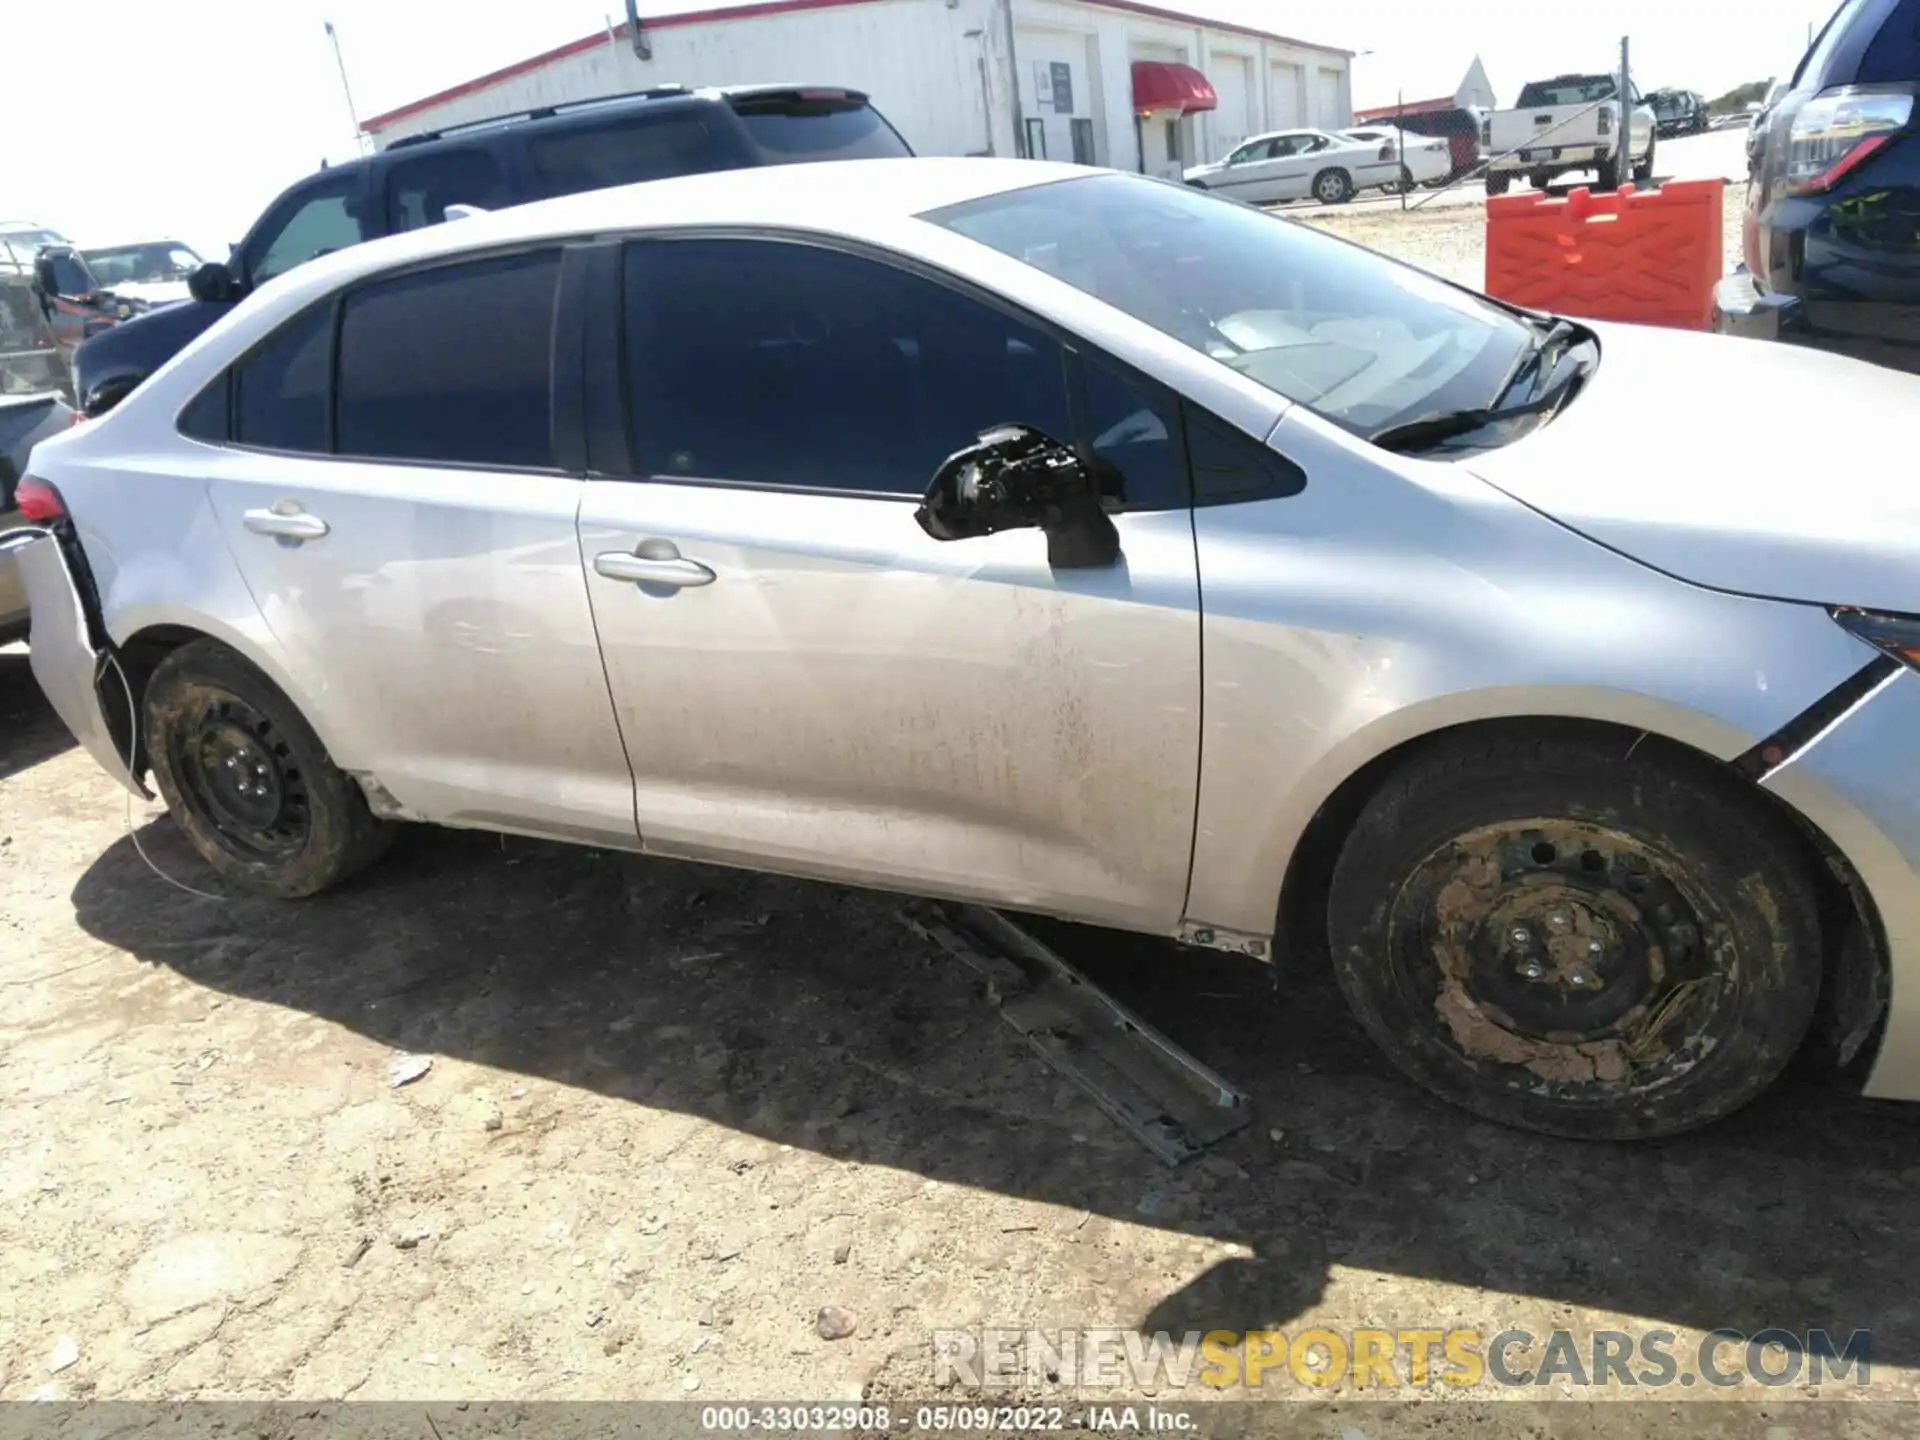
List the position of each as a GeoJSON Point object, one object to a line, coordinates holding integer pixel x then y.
{"type": "Point", "coordinates": [1329, 188]}
{"type": "Point", "coordinates": [1563, 953]}
{"type": "Point", "coordinates": [239, 776]}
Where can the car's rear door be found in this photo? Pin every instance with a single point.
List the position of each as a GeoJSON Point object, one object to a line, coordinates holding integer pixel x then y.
{"type": "Point", "coordinates": [402, 509]}
{"type": "Point", "coordinates": [805, 680]}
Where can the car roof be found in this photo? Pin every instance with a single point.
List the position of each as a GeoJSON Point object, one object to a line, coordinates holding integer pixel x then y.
{"type": "Point", "coordinates": [834, 197]}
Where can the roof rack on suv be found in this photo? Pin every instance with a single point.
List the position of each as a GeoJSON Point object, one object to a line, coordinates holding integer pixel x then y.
{"type": "Point", "coordinates": [539, 112]}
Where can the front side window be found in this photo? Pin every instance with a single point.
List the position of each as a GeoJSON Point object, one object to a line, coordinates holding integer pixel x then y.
{"type": "Point", "coordinates": [1365, 341]}
{"type": "Point", "coordinates": [595, 158]}
{"type": "Point", "coordinates": [451, 365]}
{"type": "Point", "coordinates": [323, 219]}
{"type": "Point", "coordinates": [1246, 154]}
{"type": "Point", "coordinates": [280, 390]}
{"type": "Point", "coordinates": [791, 365]}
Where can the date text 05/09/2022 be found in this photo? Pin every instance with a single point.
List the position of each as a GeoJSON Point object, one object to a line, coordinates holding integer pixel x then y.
{"type": "Point", "coordinates": [938, 1419]}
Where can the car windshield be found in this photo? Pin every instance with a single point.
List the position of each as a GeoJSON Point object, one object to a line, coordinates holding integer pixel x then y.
{"type": "Point", "coordinates": [1568, 90]}
{"type": "Point", "coordinates": [1363, 340]}
{"type": "Point", "coordinates": [164, 260]}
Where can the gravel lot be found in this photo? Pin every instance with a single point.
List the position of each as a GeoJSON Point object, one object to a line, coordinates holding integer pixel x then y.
{"type": "Point", "coordinates": [674, 1112]}
{"type": "Point", "coordinates": [1451, 240]}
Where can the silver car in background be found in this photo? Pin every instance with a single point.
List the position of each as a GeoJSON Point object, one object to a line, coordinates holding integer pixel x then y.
{"type": "Point", "coordinates": [1059, 539]}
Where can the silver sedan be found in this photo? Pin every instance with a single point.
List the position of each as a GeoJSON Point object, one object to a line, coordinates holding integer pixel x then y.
{"type": "Point", "coordinates": [1059, 539]}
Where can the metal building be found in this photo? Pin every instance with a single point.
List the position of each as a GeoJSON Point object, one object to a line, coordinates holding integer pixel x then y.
{"type": "Point", "coordinates": [1106, 82]}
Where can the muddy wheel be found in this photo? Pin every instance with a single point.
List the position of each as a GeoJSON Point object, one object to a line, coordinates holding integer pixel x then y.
{"type": "Point", "coordinates": [1563, 936]}
{"type": "Point", "coordinates": [248, 781]}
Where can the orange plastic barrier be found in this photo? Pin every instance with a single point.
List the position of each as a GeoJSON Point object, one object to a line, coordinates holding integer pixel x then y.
{"type": "Point", "coordinates": [1646, 256]}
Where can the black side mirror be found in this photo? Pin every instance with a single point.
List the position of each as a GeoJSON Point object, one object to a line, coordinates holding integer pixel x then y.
{"type": "Point", "coordinates": [107, 394]}
{"type": "Point", "coordinates": [1016, 478]}
{"type": "Point", "coordinates": [214, 282]}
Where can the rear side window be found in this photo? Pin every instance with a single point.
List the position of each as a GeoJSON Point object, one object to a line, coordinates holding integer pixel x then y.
{"type": "Point", "coordinates": [623, 154]}
{"type": "Point", "coordinates": [280, 391]}
{"type": "Point", "coordinates": [451, 365]}
{"type": "Point", "coordinates": [801, 126]}
{"type": "Point", "coordinates": [419, 190]}
{"type": "Point", "coordinates": [1569, 90]}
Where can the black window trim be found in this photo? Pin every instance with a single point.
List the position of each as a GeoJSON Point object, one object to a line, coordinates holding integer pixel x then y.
{"type": "Point", "coordinates": [1077, 351]}
{"type": "Point", "coordinates": [564, 445]}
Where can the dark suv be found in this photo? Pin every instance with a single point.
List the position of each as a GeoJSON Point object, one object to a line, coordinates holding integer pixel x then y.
{"type": "Point", "coordinates": [489, 165]}
{"type": "Point", "coordinates": [1833, 205]}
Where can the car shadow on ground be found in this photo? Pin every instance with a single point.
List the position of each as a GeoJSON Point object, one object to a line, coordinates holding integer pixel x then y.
{"type": "Point", "coordinates": [29, 730]}
{"type": "Point", "coordinates": [805, 1014]}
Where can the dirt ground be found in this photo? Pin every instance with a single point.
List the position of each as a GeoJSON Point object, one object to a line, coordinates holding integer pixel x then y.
{"type": "Point", "coordinates": [1450, 239]}
{"type": "Point", "coordinates": [673, 1112]}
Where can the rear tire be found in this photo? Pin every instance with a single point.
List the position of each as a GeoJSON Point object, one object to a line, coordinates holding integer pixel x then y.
{"type": "Point", "coordinates": [1540, 179]}
{"type": "Point", "coordinates": [1609, 176]}
{"type": "Point", "coordinates": [247, 780]}
{"type": "Point", "coordinates": [1573, 936]}
{"type": "Point", "coordinates": [1498, 181]}
{"type": "Point", "coordinates": [1643, 172]}
{"type": "Point", "coordinates": [1333, 187]}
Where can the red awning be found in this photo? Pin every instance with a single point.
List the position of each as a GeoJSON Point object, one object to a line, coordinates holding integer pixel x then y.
{"type": "Point", "coordinates": [1164, 85]}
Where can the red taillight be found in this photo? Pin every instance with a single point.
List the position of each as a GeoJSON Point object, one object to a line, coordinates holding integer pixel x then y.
{"type": "Point", "coordinates": [39, 501]}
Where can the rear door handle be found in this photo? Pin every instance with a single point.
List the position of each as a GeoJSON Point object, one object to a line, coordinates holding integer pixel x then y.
{"type": "Point", "coordinates": [286, 524]}
{"type": "Point", "coordinates": [655, 569]}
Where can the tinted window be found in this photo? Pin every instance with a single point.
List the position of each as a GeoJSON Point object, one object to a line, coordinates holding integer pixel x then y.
{"type": "Point", "coordinates": [205, 418]}
{"type": "Point", "coordinates": [623, 154]}
{"type": "Point", "coordinates": [280, 391]}
{"type": "Point", "coordinates": [1231, 468]}
{"type": "Point", "coordinates": [451, 365]}
{"type": "Point", "coordinates": [789, 128]}
{"type": "Point", "coordinates": [1893, 55]}
{"type": "Point", "coordinates": [1136, 437]}
{"type": "Point", "coordinates": [323, 219]}
{"type": "Point", "coordinates": [69, 276]}
{"type": "Point", "coordinates": [1568, 90]}
{"type": "Point", "coordinates": [792, 365]}
{"type": "Point", "coordinates": [419, 191]}
{"type": "Point", "coordinates": [1363, 340]}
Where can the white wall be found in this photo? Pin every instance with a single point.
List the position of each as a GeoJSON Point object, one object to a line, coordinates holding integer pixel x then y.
{"type": "Point", "coordinates": [1119, 37]}
{"type": "Point", "coordinates": [921, 61]}
{"type": "Point", "coordinates": [914, 57]}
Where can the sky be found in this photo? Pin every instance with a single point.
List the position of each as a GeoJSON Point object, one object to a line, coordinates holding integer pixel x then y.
{"type": "Point", "coordinates": [190, 116]}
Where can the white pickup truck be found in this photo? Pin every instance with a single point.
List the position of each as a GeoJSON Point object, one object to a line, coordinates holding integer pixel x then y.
{"type": "Point", "coordinates": [1567, 123]}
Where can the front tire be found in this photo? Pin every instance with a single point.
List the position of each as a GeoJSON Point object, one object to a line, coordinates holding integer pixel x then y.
{"type": "Point", "coordinates": [1497, 182]}
{"type": "Point", "coordinates": [1576, 936]}
{"type": "Point", "coordinates": [1643, 172]}
{"type": "Point", "coordinates": [1609, 174]}
{"type": "Point", "coordinates": [1333, 187]}
{"type": "Point", "coordinates": [247, 780]}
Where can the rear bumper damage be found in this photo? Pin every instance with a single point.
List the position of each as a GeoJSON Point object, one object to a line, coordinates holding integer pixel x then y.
{"type": "Point", "coordinates": [71, 658]}
{"type": "Point", "coordinates": [1741, 308]}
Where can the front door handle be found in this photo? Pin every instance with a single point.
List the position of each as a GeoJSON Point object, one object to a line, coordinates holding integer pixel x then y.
{"type": "Point", "coordinates": [656, 562]}
{"type": "Point", "coordinates": [286, 524]}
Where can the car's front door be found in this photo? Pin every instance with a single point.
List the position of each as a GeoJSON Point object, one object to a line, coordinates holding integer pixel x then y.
{"type": "Point", "coordinates": [1250, 172]}
{"type": "Point", "coordinates": [805, 680]}
{"type": "Point", "coordinates": [405, 524]}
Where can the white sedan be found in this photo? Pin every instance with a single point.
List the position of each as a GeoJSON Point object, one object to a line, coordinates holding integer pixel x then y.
{"type": "Point", "coordinates": [1424, 160]}
{"type": "Point", "coordinates": [1295, 164]}
{"type": "Point", "coordinates": [1062, 540]}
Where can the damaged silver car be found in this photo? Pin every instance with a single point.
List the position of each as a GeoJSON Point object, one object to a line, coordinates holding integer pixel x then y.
{"type": "Point", "coordinates": [1062, 540]}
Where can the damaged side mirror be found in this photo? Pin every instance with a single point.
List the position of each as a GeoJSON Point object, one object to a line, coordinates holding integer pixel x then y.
{"type": "Point", "coordinates": [214, 283]}
{"type": "Point", "coordinates": [1014, 477]}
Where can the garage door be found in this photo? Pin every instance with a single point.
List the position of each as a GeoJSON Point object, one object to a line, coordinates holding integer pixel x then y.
{"type": "Point", "coordinates": [1333, 109]}
{"type": "Point", "coordinates": [1233, 121]}
{"type": "Point", "coordinates": [1285, 108]}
